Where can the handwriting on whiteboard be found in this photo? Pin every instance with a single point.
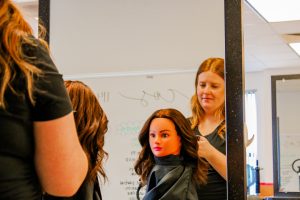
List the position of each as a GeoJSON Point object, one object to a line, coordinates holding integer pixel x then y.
{"type": "Point", "coordinates": [145, 97]}
{"type": "Point", "coordinates": [103, 96]}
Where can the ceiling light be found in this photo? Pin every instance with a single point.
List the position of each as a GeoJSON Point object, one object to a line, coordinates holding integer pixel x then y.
{"type": "Point", "coordinates": [277, 11]}
{"type": "Point", "coordinates": [295, 47]}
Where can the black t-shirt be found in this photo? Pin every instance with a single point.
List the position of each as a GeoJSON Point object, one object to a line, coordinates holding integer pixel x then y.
{"type": "Point", "coordinates": [18, 179]}
{"type": "Point", "coordinates": [215, 189]}
{"type": "Point", "coordinates": [87, 191]}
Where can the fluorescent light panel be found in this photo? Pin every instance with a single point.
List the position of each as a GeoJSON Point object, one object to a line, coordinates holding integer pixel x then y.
{"type": "Point", "coordinates": [277, 10]}
{"type": "Point", "coordinates": [295, 47]}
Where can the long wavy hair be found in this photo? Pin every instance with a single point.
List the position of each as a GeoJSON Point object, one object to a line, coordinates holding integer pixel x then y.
{"type": "Point", "coordinates": [15, 32]}
{"type": "Point", "coordinates": [91, 123]}
{"type": "Point", "coordinates": [215, 65]}
{"type": "Point", "coordinates": [189, 146]}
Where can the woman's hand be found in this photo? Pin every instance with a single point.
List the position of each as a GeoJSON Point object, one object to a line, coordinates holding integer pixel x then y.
{"type": "Point", "coordinates": [215, 158]}
{"type": "Point", "coordinates": [204, 147]}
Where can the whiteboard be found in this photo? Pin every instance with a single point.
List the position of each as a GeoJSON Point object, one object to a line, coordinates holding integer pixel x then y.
{"type": "Point", "coordinates": [128, 101]}
{"type": "Point", "coordinates": [289, 152]}
{"type": "Point", "coordinates": [287, 105]}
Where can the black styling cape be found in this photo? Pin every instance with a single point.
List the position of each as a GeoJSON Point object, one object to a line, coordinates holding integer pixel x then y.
{"type": "Point", "coordinates": [170, 179]}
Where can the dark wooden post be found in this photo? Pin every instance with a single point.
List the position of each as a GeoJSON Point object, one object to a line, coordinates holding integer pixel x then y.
{"type": "Point", "coordinates": [44, 16]}
{"type": "Point", "coordinates": [234, 76]}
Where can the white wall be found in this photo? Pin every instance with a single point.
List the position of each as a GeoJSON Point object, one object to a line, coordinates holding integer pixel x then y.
{"type": "Point", "coordinates": [99, 36]}
{"type": "Point", "coordinates": [261, 81]}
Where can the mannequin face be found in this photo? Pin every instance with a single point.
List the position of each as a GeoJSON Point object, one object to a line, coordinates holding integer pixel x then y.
{"type": "Point", "coordinates": [163, 138]}
{"type": "Point", "coordinates": [210, 91]}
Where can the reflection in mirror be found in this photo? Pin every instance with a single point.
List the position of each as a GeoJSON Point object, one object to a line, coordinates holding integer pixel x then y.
{"type": "Point", "coordinates": [31, 12]}
{"type": "Point", "coordinates": [251, 141]}
{"type": "Point", "coordinates": [266, 54]}
{"type": "Point", "coordinates": [286, 133]}
{"type": "Point", "coordinates": [138, 56]}
{"type": "Point", "coordinates": [101, 55]}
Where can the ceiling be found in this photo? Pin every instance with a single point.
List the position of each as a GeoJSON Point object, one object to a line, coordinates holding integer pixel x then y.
{"type": "Point", "coordinates": [266, 44]}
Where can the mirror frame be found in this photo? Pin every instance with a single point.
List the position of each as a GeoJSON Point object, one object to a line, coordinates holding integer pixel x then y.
{"type": "Point", "coordinates": [235, 89]}
{"type": "Point", "coordinates": [44, 16]}
{"type": "Point", "coordinates": [234, 76]}
{"type": "Point", "coordinates": [276, 140]}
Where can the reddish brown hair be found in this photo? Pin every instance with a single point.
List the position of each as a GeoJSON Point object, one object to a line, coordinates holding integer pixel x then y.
{"type": "Point", "coordinates": [91, 123]}
{"type": "Point", "coordinates": [189, 146]}
{"type": "Point", "coordinates": [215, 65]}
{"type": "Point", "coordinates": [15, 32]}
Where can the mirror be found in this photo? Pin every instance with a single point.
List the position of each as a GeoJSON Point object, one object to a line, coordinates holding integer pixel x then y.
{"type": "Point", "coordinates": [286, 134]}
{"type": "Point", "coordinates": [30, 10]}
{"type": "Point", "coordinates": [267, 54]}
{"type": "Point", "coordinates": [139, 42]}
{"type": "Point", "coordinates": [132, 54]}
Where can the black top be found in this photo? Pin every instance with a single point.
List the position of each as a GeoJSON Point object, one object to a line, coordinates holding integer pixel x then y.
{"type": "Point", "coordinates": [87, 191]}
{"type": "Point", "coordinates": [215, 189]}
{"type": "Point", "coordinates": [170, 179]}
{"type": "Point", "coordinates": [18, 179]}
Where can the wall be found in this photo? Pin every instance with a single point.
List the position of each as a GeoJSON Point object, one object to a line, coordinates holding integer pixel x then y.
{"type": "Point", "coordinates": [101, 36]}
